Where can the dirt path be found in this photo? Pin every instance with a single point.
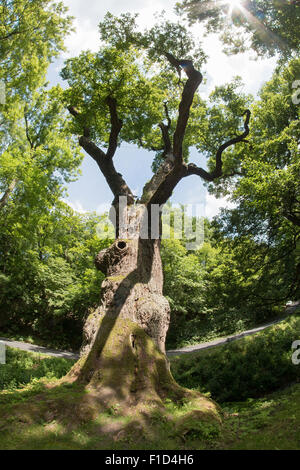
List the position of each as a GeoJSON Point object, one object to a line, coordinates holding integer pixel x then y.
{"type": "Point", "coordinates": [173, 352]}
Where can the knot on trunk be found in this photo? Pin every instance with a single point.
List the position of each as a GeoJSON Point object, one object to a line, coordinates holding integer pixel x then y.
{"type": "Point", "coordinates": [111, 256]}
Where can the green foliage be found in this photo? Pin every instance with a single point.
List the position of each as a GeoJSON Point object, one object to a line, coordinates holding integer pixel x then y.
{"type": "Point", "coordinates": [42, 290]}
{"type": "Point", "coordinates": [216, 290]}
{"type": "Point", "coordinates": [223, 119]}
{"type": "Point", "coordinates": [31, 34]}
{"type": "Point", "coordinates": [36, 153]}
{"type": "Point", "coordinates": [250, 367]}
{"type": "Point", "coordinates": [165, 36]}
{"type": "Point", "coordinates": [131, 67]}
{"type": "Point", "coordinates": [263, 229]}
{"type": "Point", "coordinates": [49, 282]}
{"type": "Point", "coordinates": [272, 169]}
{"type": "Point", "coordinates": [24, 368]}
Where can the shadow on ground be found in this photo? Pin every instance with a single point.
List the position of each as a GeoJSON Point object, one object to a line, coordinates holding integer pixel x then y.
{"type": "Point", "coordinates": [68, 416]}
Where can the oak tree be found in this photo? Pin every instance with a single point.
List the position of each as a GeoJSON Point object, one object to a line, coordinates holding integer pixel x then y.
{"type": "Point", "coordinates": [141, 88]}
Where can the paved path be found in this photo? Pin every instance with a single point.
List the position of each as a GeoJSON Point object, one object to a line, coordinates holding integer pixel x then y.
{"type": "Point", "coordinates": [173, 352]}
{"type": "Point", "coordinates": [38, 349]}
{"type": "Point", "coordinates": [290, 308]}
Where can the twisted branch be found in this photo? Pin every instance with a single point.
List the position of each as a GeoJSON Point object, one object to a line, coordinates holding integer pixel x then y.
{"type": "Point", "coordinates": [218, 172]}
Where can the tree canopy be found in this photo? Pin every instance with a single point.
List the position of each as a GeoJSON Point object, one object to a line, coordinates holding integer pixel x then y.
{"type": "Point", "coordinates": [36, 153]}
{"type": "Point", "coordinates": [31, 34]}
{"type": "Point", "coordinates": [132, 90]}
{"type": "Point", "coordinates": [267, 192]}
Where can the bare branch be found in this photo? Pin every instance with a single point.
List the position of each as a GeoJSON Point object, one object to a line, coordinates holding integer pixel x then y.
{"type": "Point", "coordinates": [116, 126]}
{"type": "Point", "coordinates": [292, 217]}
{"type": "Point", "coordinates": [189, 90]}
{"type": "Point", "coordinates": [72, 110]}
{"type": "Point", "coordinates": [114, 179]}
{"type": "Point", "coordinates": [174, 62]}
{"type": "Point", "coordinates": [167, 115]}
{"type": "Point", "coordinates": [161, 186]}
{"type": "Point", "coordinates": [159, 189]}
{"type": "Point", "coordinates": [167, 185]}
{"type": "Point", "coordinates": [165, 132]}
{"type": "Point", "coordinates": [166, 138]}
{"type": "Point", "coordinates": [219, 164]}
{"type": "Point", "coordinates": [27, 131]}
{"type": "Point", "coordinates": [195, 170]}
{"type": "Point", "coordinates": [4, 199]}
{"type": "Point", "coordinates": [218, 172]}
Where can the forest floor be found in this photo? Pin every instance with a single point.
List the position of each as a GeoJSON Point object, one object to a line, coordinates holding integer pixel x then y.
{"type": "Point", "coordinates": [272, 422]}
{"type": "Point", "coordinates": [257, 372]}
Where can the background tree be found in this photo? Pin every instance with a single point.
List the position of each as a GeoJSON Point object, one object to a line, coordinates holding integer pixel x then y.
{"type": "Point", "coordinates": [264, 226]}
{"type": "Point", "coordinates": [31, 35]}
{"type": "Point", "coordinates": [37, 157]}
{"type": "Point", "coordinates": [267, 27]}
{"type": "Point", "coordinates": [47, 278]}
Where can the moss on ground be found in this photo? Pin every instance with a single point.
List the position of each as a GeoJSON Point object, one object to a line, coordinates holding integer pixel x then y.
{"type": "Point", "coordinates": [270, 423]}
{"type": "Point", "coordinates": [127, 398]}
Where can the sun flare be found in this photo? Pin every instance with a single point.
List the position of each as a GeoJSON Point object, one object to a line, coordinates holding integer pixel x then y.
{"type": "Point", "coordinates": [234, 3]}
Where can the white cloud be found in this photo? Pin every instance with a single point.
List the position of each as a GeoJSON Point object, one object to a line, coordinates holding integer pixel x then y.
{"type": "Point", "coordinates": [214, 205]}
{"type": "Point", "coordinates": [85, 37]}
{"type": "Point", "coordinates": [76, 206]}
{"type": "Point", "coordinates": [103, 208]}
{"type": "Point", "coordinates": [89, 14]}
{"type": "Point", "coordinates": [221, 68]}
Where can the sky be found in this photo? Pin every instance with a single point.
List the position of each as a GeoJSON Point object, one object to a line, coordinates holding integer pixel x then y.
{"type": "Point", "coordinates": [90, 192]}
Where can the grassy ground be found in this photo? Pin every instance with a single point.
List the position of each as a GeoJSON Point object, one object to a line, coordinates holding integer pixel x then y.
{"type": "Point", "coordinates": [38, 416]}
{"type": "Point", "coordinates": [269, 423]}
{"type": "Point", "coordinates": [22, 368]}
{"type": "Point", "coordinates": [28, 423]}
{"type": "Point", "coordinates": [247, 368]}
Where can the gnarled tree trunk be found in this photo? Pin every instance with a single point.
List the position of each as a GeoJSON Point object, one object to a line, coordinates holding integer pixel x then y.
{"type": "Point", "coordinates": [123, 354]}
{"type": "Point", "coordinates": [133, 288]}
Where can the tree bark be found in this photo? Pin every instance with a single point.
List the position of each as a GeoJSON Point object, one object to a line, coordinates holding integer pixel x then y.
{"type": "Point", "coordinates": [4, 199]}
